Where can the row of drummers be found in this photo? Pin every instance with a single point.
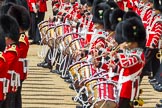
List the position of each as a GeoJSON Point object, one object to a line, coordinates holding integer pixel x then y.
{"type": "Point", "coordinates": [104, 53]}
{"type": "Point", "coordinates": [14, 47]}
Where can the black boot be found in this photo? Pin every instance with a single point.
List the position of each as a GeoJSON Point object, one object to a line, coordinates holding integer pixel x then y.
{"type": "Point", "coordinates": [158, 87]}
{"type": "Point", "coordinates": [71, 86]}
{"type": "Point", "coordinates": [41, 64]}
{"type": "Point", "coordinates": [158, 105]}
{"type": "Point", "coordinates": [68, 80]}
{"type": "Point", "coordinates": [47, 65]}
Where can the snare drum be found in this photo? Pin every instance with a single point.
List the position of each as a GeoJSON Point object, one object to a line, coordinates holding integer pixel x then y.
{"type": "Point", "coordinates": [65, 44]}
{"type": "Point", "coordinates": [75, 45]}
{"type": "Point", "coordinates": [50, 32]}
{"type": "Point", "coordinates": [42, 23]}
{"type": "Point", "coordinates": [89, 85]}
{"type": "Point", "coordinates": [67, 39]}
{"type": "Point", "coordinates": [43, 31]}
{"type": "Point", "coordinates": [73, 69]}
{"type": "Point", "coordinates": [105, 94]}
{"type": "Point", "coordinates": [62, 29]}
{"type": "Point", "coordinates": [84, 73]}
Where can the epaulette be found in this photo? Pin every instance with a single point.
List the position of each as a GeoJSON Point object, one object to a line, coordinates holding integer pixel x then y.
{"type": "Point", "coordinates": [12, 48]}
{"type": "Point", "coordinates": [2, 57]}
{"type": "Point", "coordinates": [22, 38]}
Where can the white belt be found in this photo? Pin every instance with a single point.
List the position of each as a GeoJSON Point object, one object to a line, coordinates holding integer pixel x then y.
{"type": "Point", "coordinates": [145, 22]}
{"type": "Point", "coordinates": [151, 32]}
{"type": "Point", "coordinates": [5, 85]}
{"type": "Point", "coordinates": [1, 79]}
{"type": "Point", "coordinates": [25, 64]}
{"type": "Point", "coordinates": [87, 32]}
{"type": "Point", "coordinates": [131, 77]}
{"type": "Point", "coordinates": [22, 59]}
{"type": "Point", "coordinates": [16, 81]}
{"type": "Point", "coordinates": [11, 71]}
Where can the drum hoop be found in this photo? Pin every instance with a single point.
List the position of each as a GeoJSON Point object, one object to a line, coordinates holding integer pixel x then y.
{"type": "Point", "coordinates": [62, 25]}
{"type": "Point", "coordinates": [84, 66]}
{"type": "Point", "coordinates": [75, 40]}
{"type": "Point", "coordinates": [42, 23]}
{"type": "Point", "coordinates": [52, 27]}
{"type": "Point", "coordinates": [71, 33]}
{"type": "Point", "coordinates": [43, 26]}
{"type": "Point", "coordinates": [106, 82]}
{"type": "Point", "coordinates": [94, 78]}
{"type": "Point", "coordinates": [55, 27]}
{"type": "Point", "coordinates": [78, 62]}
{"type": "Point", "coordinates": [64, 36]}
{"type": "Point", "coordinates": [99, 73]}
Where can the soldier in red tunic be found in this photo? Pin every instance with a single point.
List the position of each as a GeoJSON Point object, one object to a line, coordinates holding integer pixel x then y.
{"type": "Point", "coordinates": [3, 72]}
{"type": "Point", "coordinates": [23, 18]}
{"type": "Point", "coordinates": [153, 35]}
{"type": "Point", "coordinates": [131, 60]}
{"type": "Point", "coordinates": [10, 30]}
{"type": "Point", "coordinates": [37, 10]}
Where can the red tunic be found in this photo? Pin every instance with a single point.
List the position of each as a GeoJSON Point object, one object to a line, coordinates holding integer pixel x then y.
{"type": "Point", "coordinates": [11, 54]}
{"type": "Point", "coordinates": [154, 32]}
{"type": "Point", "coordinates": [42, 5]}
{"type": "Point", "coordinates": [30, 4]}
{"type": "Point", "coordinates": [131, 62]}
{"type": "Point", "coordinates": [145, 14]}
{"type": "Point", "coordinates": [120, 4]}
{"type": "Point", "coordinates": [3, 73]}
{"type": "Point", "coordinates": [23, 50]}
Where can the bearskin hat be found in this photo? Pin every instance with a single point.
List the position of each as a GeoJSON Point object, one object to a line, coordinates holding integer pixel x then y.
{"type": "Point", "coordinates": [5, 7]}
{"type": "Point", "coordinates": [22, 16]}
{"type": "Point", "coordinates": [83, 2]}
{"type": "Point", "coordinates": [118, 33]}
{"type": "Point", "coordinates": [89, 2]}
{"type": "Point", "coordinates": [95, 3]}
{"type": "Point", "coordinates": [116, 17]}
{"type": "Point", "coordinates": [107, 24]}
{"type": "Point", "coordinates": [131, 14]}
{"type": "Point", "coordinates": [99, 11]}
{"type": "Point", "coordinates": [106, 21]}
{"type": "Point", "coordinates": [2, 43]}
{"type": "Point", "coordinates": [112, 4]}
{"type": "Point", "coordinates": [134, 31]}
{"type": "Point", "coordinates": [157, 5]}
{"type": "Point", "coordinates": [9, 27]}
